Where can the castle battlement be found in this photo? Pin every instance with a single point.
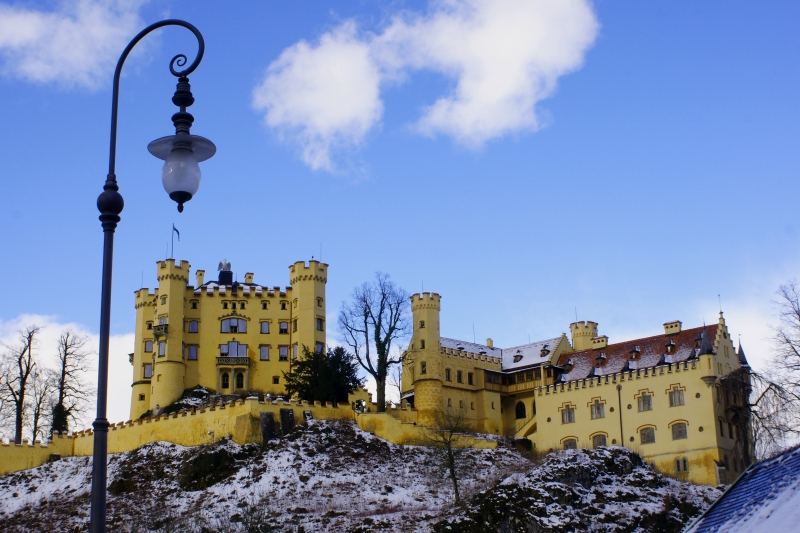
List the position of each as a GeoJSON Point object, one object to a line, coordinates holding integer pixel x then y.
{"type": "Point", "coordinates": [311, 271]}
{"type": "Point", "coordinates": [450, 352]}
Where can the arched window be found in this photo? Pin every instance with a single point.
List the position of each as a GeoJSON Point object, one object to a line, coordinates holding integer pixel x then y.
{"type": "Point", "coordinates": [570, 444]}
{"type": "Point", "coordinates": [239, 380]}
{"type": "Point", "coordinates": [648, 435]}
{"type": "Point", "coordinates": [679, 431]}
{"type": "Point", "coordinates": [225, 380]}
{"type": "Point", "coordinates": [234, 325]}
{"type": "Point", "coordinates": [520, 410]}
{"type": "Point", "coordinates": [598, 440]}
{"type": "Point", "coordinates": [568, 415]}
{"type": "Point", "coordinates": [675, 397]}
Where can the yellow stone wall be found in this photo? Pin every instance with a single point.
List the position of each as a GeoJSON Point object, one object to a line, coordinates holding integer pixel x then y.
{"type": "Point", "coordinates": [178, 303]}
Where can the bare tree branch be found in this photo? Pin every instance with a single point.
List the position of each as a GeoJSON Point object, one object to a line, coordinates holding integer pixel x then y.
{"type": "Point", "coordinates": [72, 391]}
{"type": "Point", "coordinates": [22, 362]}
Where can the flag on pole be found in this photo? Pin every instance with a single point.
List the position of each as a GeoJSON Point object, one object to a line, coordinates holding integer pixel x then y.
{"type": "Point", "coordinates": [176, 231]}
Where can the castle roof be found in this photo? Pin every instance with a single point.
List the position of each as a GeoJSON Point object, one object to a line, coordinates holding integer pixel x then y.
{"type": "Point", "coordinates": [513, 358]}
{"type": "Point", "coordinates": [455, 344]}
{"type": "Point", "coordinates": [649, 352]}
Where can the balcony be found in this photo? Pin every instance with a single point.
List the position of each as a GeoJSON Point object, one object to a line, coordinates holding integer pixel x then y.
{"type": "Point", "coordinates": [160, 330]}
{"type": "Point", "coordinates": [233, 361]}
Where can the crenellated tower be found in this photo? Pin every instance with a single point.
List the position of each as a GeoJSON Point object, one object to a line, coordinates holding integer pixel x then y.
{"type": "Point", "coordinates": [308, 304]}
{"type": "Point", "coordinates": [422, 370]}
{"type": "Point", "coordinates": [582, 334]}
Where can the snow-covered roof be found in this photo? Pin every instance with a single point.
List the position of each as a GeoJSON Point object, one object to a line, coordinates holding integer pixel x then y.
{"type": "Point", "coordinates": [526, 354]}
{"type": "Point", "coordinates": [765, 499]}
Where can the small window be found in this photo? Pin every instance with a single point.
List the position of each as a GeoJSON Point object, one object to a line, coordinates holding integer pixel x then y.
{"type": "Point", "coordinates": [568, 415]}
{"type": "Point", "coordinates": [294, 351]}
{"type": "Point", "coordinates": [194, 305]}
{"type": "Point", "coordinates": [192, 352]}
{"type": "Point", "coordinates": [320, 325]}
{"type": "Point", "coordinates": [241, 305]}
{"type": "Point", "coordinates": [470, 378]}
{"type": "Point", "coordinates": [730, 431]}
{"type": "Point", "coordinates": [598, 410]}
{"type": "Point", "coordinates": [264, 306]}
{"type": "Point", "coordinates": [283, 353]}
{"type": "Point", "coordinates": [148, 346]}
{"type": "Point", "coordinates": [679, 431]}
{"type": "Point", "coordinates": [148, 370]}
{"type": "Point", "coordinates": [681, 465]}
{"type": "Point", "coordinates": [570, 444]}
{"type": "Point", "coordinates": [225, 380]}
{"type": "Point", "coordinates": [460, 404]}
{"type": "Point", "coordinates": [520, 410]}
{"type": "Point", "coordinates": [645, 402]}
{"type": "Point", "coordinates": [675, 397]}
{"type": "Point", "coordinates": [447, 374]}
{"type": "Point", "coordinates": [320, 347]}
{"type": "Point", "coordinates": [283, 306]}
{"type": "Point", "coordinates": [319, 302]}
{"type": "Point", "coordinates": [721, 428]}
{"type": "Point", "coordinates": [549, 372]}
{"type": "Point", "coordinates": [239, 380]}
{"type": "Point", "coordinates": [162, 349]}
{"type": "Point", "coordinates": [422, 344]}
{"type": "Point", "coordinates": [233, 305]}
{"type": "Point", "coordinates": [492, 405]}
{"type": "Point", "coordinates": [421, 324]}
{"type": "Point", "coordinates": [423, 368]}
{"type": "Point", "coordinates": [149, 325]}
{"type": "Point", "coordinates": [224, 305]}
{"type": "Point", "coordinates": [537, 373]}
{"type": "Point", "coordinates": [163, 300]}
{"type": "Point", "coordinates": [264, 353]}
{"type": "Point", "coordinates": [193, 326]}
{"type": "Point", "coordinates": [294, 325]}
{"type": "Point", "coordinates": [276, 380]}
{"type": "Point", "coordinates": [459, 376]}
{"type": "Point", "coordinates": [534, 407]}
{"type": "Point", "coordinates": [283, 328]}
{"type": "Point", "coordinates": [598, 440]}
{"type": "Point", "coordinates": [141, 397]}
{"type": "Point", "coordinates": [162, 320]}
{"type": "Point", "coordinates": [449, 403]}
{"type": "Point", "coordinates": [648, 435]}
{"type": "Point", "coordinates": [265, 327]}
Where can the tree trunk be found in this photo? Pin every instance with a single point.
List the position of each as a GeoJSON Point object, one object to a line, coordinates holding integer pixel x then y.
{"type": "Point", "coordinates": [381, 394]}
{"type": "Point", "coordinates": [19, 418]}
{"type": "Point", "coordinates": [451, 465]}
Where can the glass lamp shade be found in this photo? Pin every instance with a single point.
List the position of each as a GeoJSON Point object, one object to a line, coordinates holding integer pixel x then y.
{"type": "Point", "coordinates": [181, 175]}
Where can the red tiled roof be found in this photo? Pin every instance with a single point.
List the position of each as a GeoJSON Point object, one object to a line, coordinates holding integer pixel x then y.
{"type": "Point", "coordinates": [618, 355]}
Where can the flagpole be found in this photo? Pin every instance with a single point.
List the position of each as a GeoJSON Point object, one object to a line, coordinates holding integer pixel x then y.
{"type": "Point", "coordinates": [172, 235]}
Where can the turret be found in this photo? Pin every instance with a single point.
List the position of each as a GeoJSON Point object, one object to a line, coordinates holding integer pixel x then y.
{"type": "Point", "coordinates": [308, 319]}
{"type": "Point", "coordinates": [142, 359]}
{"type": "Point", "coordinates": [582, 334]}
{"type": "Point", "coordinates": [423, 364]}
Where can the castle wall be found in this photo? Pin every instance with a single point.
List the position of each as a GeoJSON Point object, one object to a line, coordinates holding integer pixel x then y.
{"type": "Point", "coordinates": [15, 457]}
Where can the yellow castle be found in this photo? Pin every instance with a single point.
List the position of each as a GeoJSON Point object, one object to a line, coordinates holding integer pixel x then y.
{"type": "Point", "coordinates": [663, 396]}
{"type": "Point", "coordinates": [226, 335]}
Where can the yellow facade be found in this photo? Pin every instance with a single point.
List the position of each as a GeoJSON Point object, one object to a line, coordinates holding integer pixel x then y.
{"type": "Point", "coordinates": [183, 332]}
{"type": "Point", "coordinates": [663, 400]}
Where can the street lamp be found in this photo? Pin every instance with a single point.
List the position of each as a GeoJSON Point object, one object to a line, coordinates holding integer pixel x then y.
{"type": "Point", "coordinates": [181, 177]}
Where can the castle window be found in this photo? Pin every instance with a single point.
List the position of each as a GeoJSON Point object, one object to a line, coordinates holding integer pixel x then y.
{"type": "Point", "coordinates": [472, 405]}
{"type": "Point", "coordinates": [533, 405]}
{"type": "Point", "coordinates": [264, 305]}
{"type": "Point", "coordinates": [681, 465]}
{"type": "Point", "coordinates": [492, 405]}
{"type": "Point", "coordinates": [241, 305]}
{"type": "Point", "coordinates": [470, 378]}
{"type": "Point", "coordinates": [730, 431]}
{"type": "Point", "coordinates": [264, 353]}
{"type": "Point", "coordinates": [294, 325]}
{"type": "Point", "coordinates": [192, 352]}
{"type": "Point", "coordinates": [294, 351]}
{"type": "Point", "coordinates": [283, 353]}
{"type": "Point", "coordinates": [721, 428]}
{"type": "Point", "coordinates": [225, 380]}
{"type": "Point", "coordinates": [422, 344]}
{"type": "Point", "coordinates": [670, 346]}
{"type": "Point", "coordinates": [141, 397]}
{"type": "Point", "coordinates": [148, 346]}
{"type": "Point", "coordinates": [679, 431]}
{"type": "Point", "coordinates": [162, 348]}
{"type": "Point", "coordinates": [233, 305]}
{"type": "Point", "coordinates": [598, 410]}
{"type": "Point", "coordinates": [162, 320]}
{"type": "Point", "coordinates": [447, 374]}
{"type": "Point", "coordinates": [598, 440]}
{"type": "Point", "coordinates": [459, 376]}
{"type": "Point", "coordinates": [193, 326]}
{"type": "Point", "coordinates": [421, 324]}
{"type": "Point", "coordinates": [675, 397]}
{"type": "Point", "coordinates": [449, 403]}
{"type": "Point", "coordinates": [568, 415]}
{"type": "Point", "coordinates": [645, 402]}
{"type": "Point", "coordinates": [518, 356]}
{"type": "Point", "coordinates": [283, 328]}
{"type": "Point", "coordinates": [149, 325]}
{"type": "Point", "coordinates": [283, 306]}
{"type": "Point", "coordinates": [163, 300]}
{"type": "Point", "coordinates": [224, 305]}
{"type": "Point", "coordinates": [460, 404]}
{"type": "Point", "coordinates": [537, 373]}
{"type": "Point", "coordinates": [276, 380]}
{"type": "Point", "coordinates": [233, 349]}
{"type": "Point", "coordinates": [520, 410]}
{"type": "Point", "coordinates": [423, 368]}
{"type": "Point", "coordinates": [570, 444]}
{"type": "Point", "coordinates": [265, 327]}
{"type": "Point", "coordinates": [319, 302]}
{"type": "Point", "coordinates": [320, 324]}
{"type": "Point", "coordinates": [320, 348]}
{"type": "Point", "coordinates": [294, 303]}
{"type": "Point", "coordinates": [648, 435]}
{"type": "Point", "coordinates": [194, 305]}
{"type": "Point", "coordinates": [148, 370]}
{"type": "Point", "coordinates": [239, 380]}
{"type": "Point", "coordinates": [549, 372]}
{"type": "Point", "coordinates": [234, 325]}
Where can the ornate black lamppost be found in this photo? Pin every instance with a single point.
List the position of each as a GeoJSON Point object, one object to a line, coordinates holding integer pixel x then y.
{"type": "Point", "coordinates": [181, 178]}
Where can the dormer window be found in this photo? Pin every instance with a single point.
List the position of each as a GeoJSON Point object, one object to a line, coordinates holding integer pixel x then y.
{"type": "Point", "coordinates": [568, 365]}
{"type": "Point", "coordinates": [635, 352]}
{"type": "Point", "coordinates": [518, 356]}
{"type": "Point", "coordinates": [698, 340]}
{"type": "Point", "coordinates": [545, 350]}
{"type": "Point", "coordinates": [670, 346]}
{"type": "Point", "coordinates": [601, 359]}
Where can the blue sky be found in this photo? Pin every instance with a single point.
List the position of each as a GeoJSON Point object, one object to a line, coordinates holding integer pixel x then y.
{"type": "Point", "coordinates": [630, 160]}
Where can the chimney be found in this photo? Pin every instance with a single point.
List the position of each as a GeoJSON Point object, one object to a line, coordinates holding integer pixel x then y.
{"type": "Point", "coordinates": [672, 327]}
{"type": "Point", "coordinates": [490, 343]}
{"type": "Point", "coordinates": [248, 278]}
{"type": "Point", "coordinates": [200, 275]}
{"type": "Point", "coordinates": [599, 342]}
{"type": "Point", "coordinates": [225, 277]}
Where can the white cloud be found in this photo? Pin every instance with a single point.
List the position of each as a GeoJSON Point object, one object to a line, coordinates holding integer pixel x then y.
{"type": "Point", "coordinates": [322, 96]}
{"type": "Point", "coordinates": [78, 44]}
{"type": "Point", "coordinates": [119, 372]}
{"type": "Point", "coordinates": [503, 56]}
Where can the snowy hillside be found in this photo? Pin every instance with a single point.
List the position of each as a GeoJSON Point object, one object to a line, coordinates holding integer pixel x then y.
{"type": "Point", "coordinates": [330, 476]}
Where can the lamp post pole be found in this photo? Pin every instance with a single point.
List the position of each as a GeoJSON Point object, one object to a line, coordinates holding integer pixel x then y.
{"type": "Point", "coordinates": [110, 205]}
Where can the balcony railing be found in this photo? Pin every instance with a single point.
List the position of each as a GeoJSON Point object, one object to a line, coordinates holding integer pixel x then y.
{"type": "Point", "coordinates": [160, 330]}
{"type": "Point", "coordinates": [234, 361]}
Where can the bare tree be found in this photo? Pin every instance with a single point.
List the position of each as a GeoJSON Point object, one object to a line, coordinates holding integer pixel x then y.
{"type": "Point", "coordinates": [72, 392]}
{"type": "Point", "coordinates": [446, 436]}
{"type": "Point", "coordinates": [21, 361]}
{"type": "Point", "coordinates": [42, 386]}
{"type": "Point", "coordinates": [6, 404]}
{"type": "Point", "coordinates": [376, 316]}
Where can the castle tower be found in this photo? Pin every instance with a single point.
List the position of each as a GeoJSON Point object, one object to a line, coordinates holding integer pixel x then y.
{"type": "Point", "coordinates": [142, 356]}
{"type": "Point", "coordinates": [169, 369]}
{"type": "Point", "coordinates": [582, 334]}
{"type": "Point", "coordinates": [423, 365]}
{"type": "Point", "coordinates": [308, 305]}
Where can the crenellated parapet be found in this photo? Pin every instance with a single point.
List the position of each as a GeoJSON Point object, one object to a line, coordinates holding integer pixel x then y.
{"type": "Point", "coordinates": [311, 271]}
{"type": "Point", "coordinates": [426, 300]}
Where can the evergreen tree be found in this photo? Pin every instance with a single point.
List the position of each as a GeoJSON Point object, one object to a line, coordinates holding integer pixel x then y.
{"type": "Point", "coordinates": [326, 377]}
